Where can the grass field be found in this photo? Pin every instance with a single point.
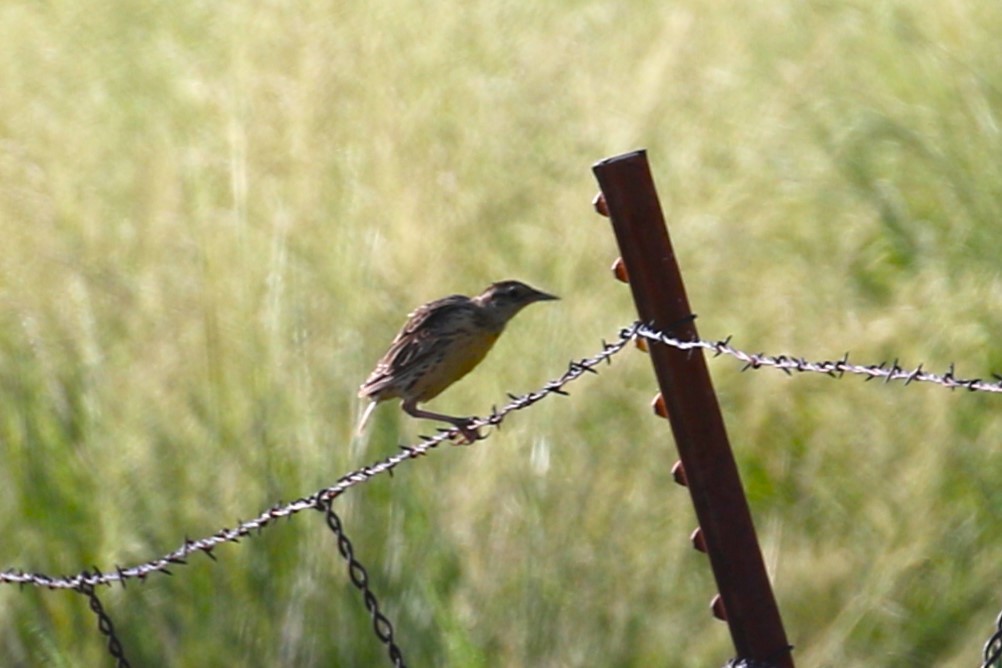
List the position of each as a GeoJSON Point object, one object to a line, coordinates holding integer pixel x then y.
{"type": "Point", "coordinates": [214, 217]}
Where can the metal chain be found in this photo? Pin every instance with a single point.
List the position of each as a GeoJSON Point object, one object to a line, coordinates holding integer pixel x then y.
{"type": "Point", "coordinates": [360, 578]}
{"type": "Point", "coordinates": [105, 625]}
{"type": "Point", "coordinates": [993, 648]}
{"type": "Point", "coordinates": [206, 545]}
{"type": "Point", "coordinates": [835, 368]}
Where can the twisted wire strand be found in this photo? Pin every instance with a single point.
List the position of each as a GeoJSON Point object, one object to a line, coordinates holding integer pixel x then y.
{"type": "Point", "coordinates": [359, 577]}
{"type": "Point", "coordinates": [243, 528]}
{"type": "Point", "coordinates": [835, 368]}
{"type": "Point", "coordinates": [105, 625]}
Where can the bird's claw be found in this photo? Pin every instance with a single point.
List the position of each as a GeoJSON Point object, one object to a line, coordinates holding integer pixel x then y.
{"type": "Point", "coordinates": [465, 434]}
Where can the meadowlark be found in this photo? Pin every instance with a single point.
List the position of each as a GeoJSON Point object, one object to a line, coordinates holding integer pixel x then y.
{"type": "Point", "coordinates": [440, 343]}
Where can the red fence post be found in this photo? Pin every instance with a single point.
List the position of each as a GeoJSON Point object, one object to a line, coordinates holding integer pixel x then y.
{"type": "Point", "coordinates": [687, 399]}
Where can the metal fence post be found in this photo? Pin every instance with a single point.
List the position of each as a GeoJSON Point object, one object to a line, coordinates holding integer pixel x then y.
{"type": "Point", "coordinates": [687, 399]}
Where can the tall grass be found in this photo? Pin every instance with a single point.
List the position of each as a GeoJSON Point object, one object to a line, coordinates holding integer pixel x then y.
{"type": "Point", "coordinates": [214, 217]}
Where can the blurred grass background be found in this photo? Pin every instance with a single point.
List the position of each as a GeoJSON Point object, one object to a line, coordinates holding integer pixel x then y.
{"type": "Point", "coordinates": [214, 218]}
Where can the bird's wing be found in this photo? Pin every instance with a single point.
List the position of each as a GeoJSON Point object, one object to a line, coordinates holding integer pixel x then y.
{"type": "Point", "coordinates": [428, 316]}
{"type": "Point", "coordinates": [413, 344]}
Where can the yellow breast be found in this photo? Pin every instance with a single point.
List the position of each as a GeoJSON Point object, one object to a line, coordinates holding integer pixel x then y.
{"type": "Point", "coordinates": [460, 356]}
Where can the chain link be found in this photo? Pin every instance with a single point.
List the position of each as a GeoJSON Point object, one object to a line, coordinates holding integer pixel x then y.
{"type": "Point", "coordinates": [104, 624]}
{"type": "Point", "coordinates": [360, 578]}
{"type": "Point", "coordinates": [993, 648]}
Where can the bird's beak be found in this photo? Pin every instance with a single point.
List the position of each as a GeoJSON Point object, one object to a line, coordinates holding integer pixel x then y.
{"type": "Point", "coordinates": [541, 296]}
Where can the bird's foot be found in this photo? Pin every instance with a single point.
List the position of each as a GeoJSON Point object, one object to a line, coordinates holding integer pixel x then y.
{"type": "Point", "coordinates": [466, 434]}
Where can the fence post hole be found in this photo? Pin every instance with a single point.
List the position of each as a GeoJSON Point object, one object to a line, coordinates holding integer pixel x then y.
{"type": "Point", "coordinates": [687, 399]}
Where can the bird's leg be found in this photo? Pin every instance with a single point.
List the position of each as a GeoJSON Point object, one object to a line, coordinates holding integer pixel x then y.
{"type": "Point", "coordinates": [462, 424]}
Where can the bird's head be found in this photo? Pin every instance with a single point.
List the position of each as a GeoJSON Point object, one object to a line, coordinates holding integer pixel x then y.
{"type": "Point", "coordinates": [503, 300]}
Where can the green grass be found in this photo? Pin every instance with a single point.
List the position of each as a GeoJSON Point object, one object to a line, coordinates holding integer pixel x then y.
{"type": "Point", "coordinates": [213, 219]}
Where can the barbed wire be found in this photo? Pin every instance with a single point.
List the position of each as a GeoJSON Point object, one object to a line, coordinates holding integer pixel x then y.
{"type": "Point", "coordinates": [87, 580]}
{"type": "Point", "coordinates": [835, 368]}
{"type": "Point", "coordinates": [244, 528]}
{"type": "Point", "coordinates": [786, 363]}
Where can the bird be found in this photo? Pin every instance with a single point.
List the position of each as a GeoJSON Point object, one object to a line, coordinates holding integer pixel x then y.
{"type": "Point", "coordinates": [441, 342]}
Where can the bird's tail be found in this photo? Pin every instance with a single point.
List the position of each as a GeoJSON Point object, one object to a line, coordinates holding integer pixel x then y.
{"type": "Point", "coordinates": [365, 418]}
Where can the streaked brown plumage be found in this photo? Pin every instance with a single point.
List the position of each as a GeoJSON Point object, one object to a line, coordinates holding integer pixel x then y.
{"type": "Point", "coordinates": [440, 343]}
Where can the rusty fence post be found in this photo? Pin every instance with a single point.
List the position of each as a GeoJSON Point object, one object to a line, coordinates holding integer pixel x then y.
{"type": "Point", "coordinates": [707, 467]}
